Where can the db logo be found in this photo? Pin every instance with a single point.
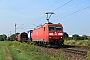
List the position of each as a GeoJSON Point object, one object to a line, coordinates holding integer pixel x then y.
{"type": "Point", "coordinates": [55, 33]}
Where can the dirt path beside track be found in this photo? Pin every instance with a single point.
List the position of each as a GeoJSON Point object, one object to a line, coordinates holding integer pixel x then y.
{"type": "Point", "coordinates": [7, 53]}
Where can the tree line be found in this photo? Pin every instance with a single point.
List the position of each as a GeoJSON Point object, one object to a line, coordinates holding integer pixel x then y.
{"type": "Point", "coordinates": [3, 37]}
{"type": "Point", "coordinates": [75, 37]}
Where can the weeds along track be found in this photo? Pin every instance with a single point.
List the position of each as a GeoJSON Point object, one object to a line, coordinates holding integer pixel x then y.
{"type": "Point", "coordinates": [51, 51]}
{"type": "Point", "coordinates": [70, 52]}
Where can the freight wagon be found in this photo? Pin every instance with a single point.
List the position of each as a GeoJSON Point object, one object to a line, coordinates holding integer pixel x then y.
{"type": "Point", "coordinates": [30, 35]}
{"type": "Point", "coordinates": [22, 37]}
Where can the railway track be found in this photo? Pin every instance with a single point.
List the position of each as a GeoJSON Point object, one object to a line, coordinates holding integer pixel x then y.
{"type": "Point", "coordinates": [70, 52]}
{"type": "Point", "coordinates": [76, 54]}
{"type": "Point", "coordinates": [83, 47]}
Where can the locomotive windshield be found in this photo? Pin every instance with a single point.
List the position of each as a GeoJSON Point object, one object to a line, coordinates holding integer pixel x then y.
{"type": "Point", "coordinates": [55, 28]}
{"type": "Point", "coordinates": [51, 28]}
{"type": "Point", "coordinates": [58, 28]}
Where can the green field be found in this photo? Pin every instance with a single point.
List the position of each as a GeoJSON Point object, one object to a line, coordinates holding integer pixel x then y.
{"type": "Point", "coordinates": [77, 42]}
{"type": "Point", "coordinates": [22, 51]}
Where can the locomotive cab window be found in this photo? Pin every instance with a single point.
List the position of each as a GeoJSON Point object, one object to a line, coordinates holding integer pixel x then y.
{"type": "Point", "coordinates": [55, 28]}
{"type": "Point", "coordinates": [51, 28]}
{"type": "Point", "coordinates": [58, 28]}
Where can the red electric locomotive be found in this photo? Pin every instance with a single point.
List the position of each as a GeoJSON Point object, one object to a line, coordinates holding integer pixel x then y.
{"type": "Point", "coordinates": [49, 33]}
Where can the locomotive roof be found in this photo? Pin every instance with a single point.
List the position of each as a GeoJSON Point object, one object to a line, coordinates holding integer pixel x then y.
{"type": "Point", "coordinates": [40, 26]}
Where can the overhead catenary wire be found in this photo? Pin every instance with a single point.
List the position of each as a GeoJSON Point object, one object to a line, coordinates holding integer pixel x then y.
{"type": "Point", "coordinates": [73, 13]}
{"type": "Point", "coordinates": [19, 26]}
{"type": "Point", "coordinates": [62, 5]}
{"type": "Point", "coordinates": [72, 8]}
{"type": "Point", "coordinates": [52, 5]}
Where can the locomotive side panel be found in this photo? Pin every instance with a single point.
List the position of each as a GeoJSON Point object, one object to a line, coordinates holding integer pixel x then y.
{"type": "Point", "coordinates": [38, 34]}
{"type": "Point", "coordinates": [41, 34]}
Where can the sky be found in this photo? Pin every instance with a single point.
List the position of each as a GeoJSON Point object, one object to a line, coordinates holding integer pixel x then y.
{"type": "Point", "coordinates": [74, 15]}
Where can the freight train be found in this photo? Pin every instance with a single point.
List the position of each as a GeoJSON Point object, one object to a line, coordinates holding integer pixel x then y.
{"type": "Point", "coordinates": [48, 33]}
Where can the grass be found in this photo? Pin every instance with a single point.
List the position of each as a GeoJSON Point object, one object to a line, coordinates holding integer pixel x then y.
{"type": "Point", "coordinates": [13, 50]}
{"type": "Point", "coordinates": [2, 53]}
{"type": "Point", "coordinates": [88, 55]}
{"type": "Point", "coordinates": [28, 52]}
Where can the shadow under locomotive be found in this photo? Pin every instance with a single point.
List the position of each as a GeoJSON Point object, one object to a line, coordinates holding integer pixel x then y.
{"type": "Point", "coordinates": [60, 46]}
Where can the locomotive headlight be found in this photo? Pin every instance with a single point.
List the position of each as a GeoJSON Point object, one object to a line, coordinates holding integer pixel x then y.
{"type": "Point", "coordinates": [60, 37]}
{"type": "Point", "coordinates": [50, 33]}
{"type": "Point", "coordinates": [60, 33]}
